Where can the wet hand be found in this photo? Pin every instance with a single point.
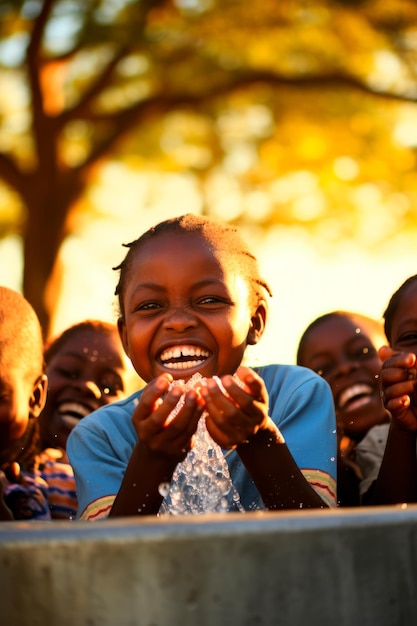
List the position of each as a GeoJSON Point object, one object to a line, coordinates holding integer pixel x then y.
{"type": "Point", "coordinates": [238, 411]}
{"type": "Point", "coordinates": [162, 426]}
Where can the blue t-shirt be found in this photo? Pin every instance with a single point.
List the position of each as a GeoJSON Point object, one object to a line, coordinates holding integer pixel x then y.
{"type": "Point", "coordinates": [300, 404]}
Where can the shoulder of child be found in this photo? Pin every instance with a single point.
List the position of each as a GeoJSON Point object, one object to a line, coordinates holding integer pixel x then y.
{"type": "Point", "coordinates": [280, 374]}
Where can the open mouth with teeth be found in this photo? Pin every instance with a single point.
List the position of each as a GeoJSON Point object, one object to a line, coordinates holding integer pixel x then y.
{"type": "Point", "coordinates": [355, 396]}
{"type": "Point", "coordinates": [183, 357]}
{"type": "Point", "coordinates": [71, 412]}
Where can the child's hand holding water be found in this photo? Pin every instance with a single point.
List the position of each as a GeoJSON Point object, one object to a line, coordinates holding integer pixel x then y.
{"type": "Point", "coordinates": [237, 411]}
{"type": "Point", "coordinates": [153, 419]}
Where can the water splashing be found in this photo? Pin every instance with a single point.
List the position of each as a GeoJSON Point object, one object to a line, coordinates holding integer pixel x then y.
{"type": "Point", "coordinates": [201, 483]}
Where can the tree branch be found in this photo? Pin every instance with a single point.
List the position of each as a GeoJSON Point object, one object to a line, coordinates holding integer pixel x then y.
{"type": "Point", "coordinates": [40, 120]}
{"type": "Point", "coordinates": [161, 103]}
{"type": "Point", "coordinates": [11, 173]}
{"type": "Point", "coordinates": [93, 91]}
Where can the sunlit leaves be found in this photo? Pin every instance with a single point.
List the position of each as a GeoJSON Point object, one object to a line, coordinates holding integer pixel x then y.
{"type": "Point", "coordinates": [280, 113]}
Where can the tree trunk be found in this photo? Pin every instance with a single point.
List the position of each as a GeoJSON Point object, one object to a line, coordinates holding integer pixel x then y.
{"type": "Point", "coordinates": [48, 205]}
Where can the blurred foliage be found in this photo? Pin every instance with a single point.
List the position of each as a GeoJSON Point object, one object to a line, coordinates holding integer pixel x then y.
{"type": "Point", "coordinates": [290, 112]}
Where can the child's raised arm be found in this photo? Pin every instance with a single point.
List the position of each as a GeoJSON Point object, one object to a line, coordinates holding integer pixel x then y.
{"type": "Point", "coordinates": [397, 478]}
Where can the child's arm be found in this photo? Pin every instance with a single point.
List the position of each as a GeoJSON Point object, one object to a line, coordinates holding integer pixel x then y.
{"type": "Point", "coordinates": [5, 513]}
{"type": "Point", "coordinates": [162, 443]}
{"type": "Point", "coordinates": [241, 421]}
{"type": "Point", "coordinates": [397, 478]}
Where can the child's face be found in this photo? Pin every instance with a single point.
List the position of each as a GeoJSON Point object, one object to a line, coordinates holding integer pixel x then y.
{"type": "Point", "coordinates": [15, 406]}
{"type": "Point", "coordinates": [87, 372]}
{"type": "Point", "coordinates": [404, 324]}
{"type": "Point", "coordinates": [345, 354]}
{"type": "Point", "coordinates": [185, 310]}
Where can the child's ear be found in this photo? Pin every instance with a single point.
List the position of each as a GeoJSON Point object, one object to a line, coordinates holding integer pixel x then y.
{"type": "Point", "coordinates": [121, 327]}
{"type": "Point", "coordinates": [38, 397]}
{"type": "Point", "coordinates": [257, 326]}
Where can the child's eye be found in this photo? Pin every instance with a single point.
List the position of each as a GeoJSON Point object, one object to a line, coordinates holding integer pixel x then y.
{"type": "Point", "coordinates": [68, 373]}
{"type": "Point", "coordinates": [148, 306]}
{"type": "Point", "coordinates": [408, 338]}
{"type": "Point", "coordinates": [109, 390]}
{"type": "Point", "coordinates": [111, 387]}
{"type": "Point", "coordinates": [366, 352]}
{"type": "Point", "coordinates": [211, 300]}
{"type": "Point", "coordinates": [323, 369]}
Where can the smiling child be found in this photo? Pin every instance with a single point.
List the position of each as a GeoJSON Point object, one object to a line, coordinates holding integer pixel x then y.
{"type": "Point", "coordinates": [191, 300]}
{"type": "Point", "coordinates": [342, 347]}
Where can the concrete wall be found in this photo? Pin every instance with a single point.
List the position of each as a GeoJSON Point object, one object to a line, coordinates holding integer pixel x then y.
{"type": "Point", "coordinates": [342, 568]}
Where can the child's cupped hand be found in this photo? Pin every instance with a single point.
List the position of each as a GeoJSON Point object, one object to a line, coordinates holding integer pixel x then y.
{"type": "Point", "coordinates": [155, 424]}
{"type": "Point", "coordinates": [399, 386]}
{"type": "Point", "coordinates": [238, 411]}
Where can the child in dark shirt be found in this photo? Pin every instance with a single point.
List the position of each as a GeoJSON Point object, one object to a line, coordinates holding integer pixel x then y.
{"type": "Point", "coordinates": [23, 388]}
{"type": "Point", "coordinates": [397, 479]}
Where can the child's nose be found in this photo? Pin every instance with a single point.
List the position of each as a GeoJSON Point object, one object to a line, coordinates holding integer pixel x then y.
{"type": "Point", "coordinates": [344, 366]}
{"type": "Point", "coordinates": [180, 319]}
{"type": "Point", "coordinates": [93, 389]}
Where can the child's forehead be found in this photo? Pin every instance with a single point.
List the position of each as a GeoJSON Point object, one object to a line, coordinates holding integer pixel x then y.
{"type": "Point", "coordinates": [87, 339]}
{"type": "Point", "coordinates": [173, 237]}
{"type": "Point", "coordinates": [344, 325]}
{"type": "Point", "coordinates": [189, 254]}
{"type": "Point", "coordinates": [182, 245]}
{"type": "Point", "coordinates": [409, 295]}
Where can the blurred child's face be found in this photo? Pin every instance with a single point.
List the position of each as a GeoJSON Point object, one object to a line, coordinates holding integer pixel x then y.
{"type": "Point", "coordinates": [345, 354]}
{"type": "Point", "coordinates": [87, 372]}
{"type": "Point", "coordinates": [15, 398]}
{"type": "Point", "coordinates": [404, 324]}
{"type": "Point", "coordinates": [185, 310]}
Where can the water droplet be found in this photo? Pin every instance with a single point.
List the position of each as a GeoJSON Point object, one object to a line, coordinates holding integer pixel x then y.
{"type": "Point", "coordinates": [163, 489]}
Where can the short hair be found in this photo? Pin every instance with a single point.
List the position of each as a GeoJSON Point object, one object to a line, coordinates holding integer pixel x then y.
{"type": "Point", "coordinates": [218, 235]}
{"type": "Point", "coordinates": [54, 344]}
{"type": "Point", "coordinates": [373, 324]}
{"type": "Point", "coordinates": [394, 303]}
{"type": "Point", "coordinates": [21, 340]}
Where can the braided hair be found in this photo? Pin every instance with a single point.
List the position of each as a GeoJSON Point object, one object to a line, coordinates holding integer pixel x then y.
{"type": "Point", "coordinates": [217, 235]}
